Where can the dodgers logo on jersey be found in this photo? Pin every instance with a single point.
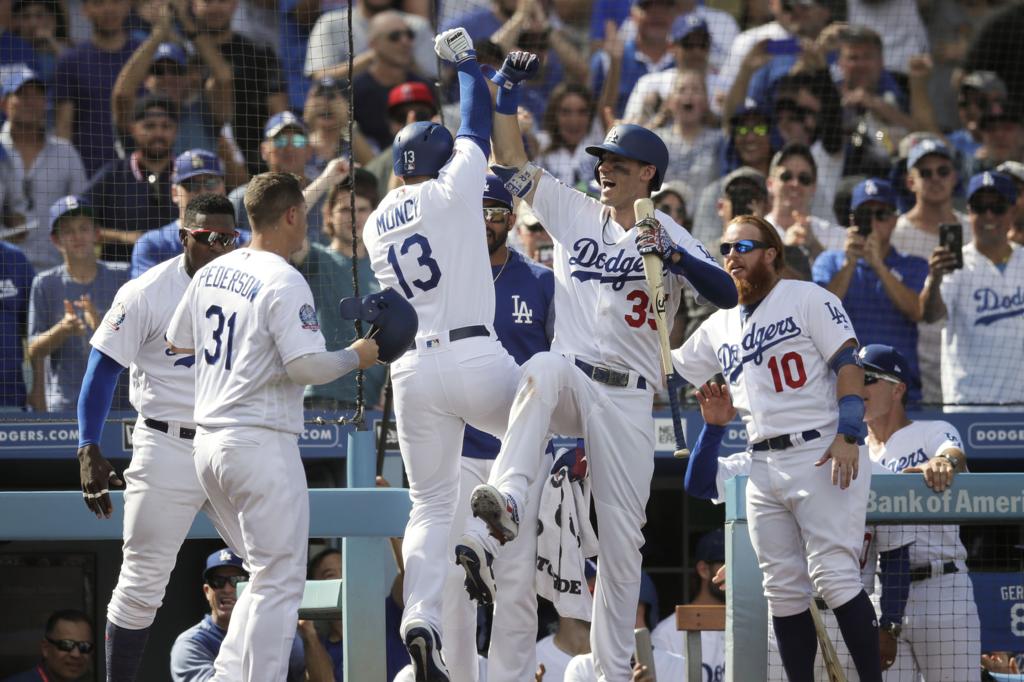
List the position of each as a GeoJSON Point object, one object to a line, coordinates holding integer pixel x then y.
{"type": "Point", "coordinates": [115, 317]}
{"type": "Point", "coordinates": [307, 316]}
{"type": "Point", "coordinates": [756, 341]}
{"type": "Point", "coordinates": [184, 361]}
{"type": "Point", "coordinates": [837, 315]}
{"type": "Point", "coordinates": [998, 306]}
{"type": "Point", "coordinates": [589, 262]}
{"type": "Point", "coordinates": [898, 464]}
{"type": "Point", "coordinates": [521, 312]}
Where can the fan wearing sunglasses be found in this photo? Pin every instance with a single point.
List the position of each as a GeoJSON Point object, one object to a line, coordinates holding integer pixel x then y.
{"type": "Point", "coordinates": [67, 647]}
{"type": "Point", "coordinates": [982, 355]}
{"type": "Point", "coordinates": [877, 284]}
{"type": "Point", "coordinates": [792, 182]}
{"type": "Point", "coordinates": [195, 649]}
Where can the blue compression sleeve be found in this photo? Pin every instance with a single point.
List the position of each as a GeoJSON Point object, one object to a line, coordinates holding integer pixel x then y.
{"type": "Point", "coordinates": [702, 469]}
{"type": "Point", "coordinates": [894, 574]}
{"type": "Point", "coordinates": [851, 417]}
{"type": "Point", "coordinates": [97, 393]}
{"type": "Point", "coordinates": [474, 105]}
{"type": "Point", "coordinates": [710, 281]}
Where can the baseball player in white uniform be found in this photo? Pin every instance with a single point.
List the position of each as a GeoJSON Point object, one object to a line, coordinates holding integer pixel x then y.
{"type": "Point", "coordinates": [929, 620]}
{"type": "Point", "coordinates": [598, 381]}
{"type": "Point", "coordinates": [427, 240]}
{"type": "Point", "coordinates": [250, 321]}
{"type": "Point", "coordinates": [163, 493]}
{"type": "Point", "coordinates": [789, 356]}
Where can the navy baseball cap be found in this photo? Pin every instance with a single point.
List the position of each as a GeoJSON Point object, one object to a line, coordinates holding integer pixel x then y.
{"type": "Point", "coordinates": [925, 148]}
{"type": "Point", "coordinates": [222, 557]}
{"type": "Point", "coordinates": [711, 547]}
{"type": "Point", "coordinates": [65, 206]}
{"type": "Point", "coordinates": [495, 190]}
{"type": "Point", "coordinates": [279, 122]}
{"type": "Point", "coordinates": [750, 107]}
{"type": "Point", "coordinates": [872, 189]}
{"type": "Point", "coordinates": [196, 162]}
{"type": "Point", "coordinates": [691, 24]}
{"type": "Point", "coordinates": [171, 52]}
{"type": "Point", "coordinates": [887, 360]}
{"type": "Point", "coordinates": [993, 180]}
{"type": "Point", "coordinates": [14, 80]}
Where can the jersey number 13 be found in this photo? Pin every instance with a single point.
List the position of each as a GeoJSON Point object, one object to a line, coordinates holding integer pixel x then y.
{"type": "Point", "coordinates": [423, 260]}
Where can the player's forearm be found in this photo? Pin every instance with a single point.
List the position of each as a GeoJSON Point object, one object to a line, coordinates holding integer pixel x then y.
{"type": "Point", "coordinates": [322, 368]}
{"type": "Point", "coordinates": [951, 454]}
{"type": "Point", "coordinates": [710, 281]}
{"type": "Point", "coordinates": [96, 396]}
{"type": "Point", "coordinates": [850, 381]}
{"type": "Point", "coordinates": [474, 105]}
{"type": "Point", "coordinates": [702, 467]}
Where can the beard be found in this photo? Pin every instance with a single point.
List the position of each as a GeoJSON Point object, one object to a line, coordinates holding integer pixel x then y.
{"type": "Point", "coordinates": [758, 282]}
{"type": "Point", "coordinates": [495, 241]}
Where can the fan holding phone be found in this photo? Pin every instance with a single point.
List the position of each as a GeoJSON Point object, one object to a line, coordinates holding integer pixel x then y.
{"type": "Point", "coordinates": [878, 285]}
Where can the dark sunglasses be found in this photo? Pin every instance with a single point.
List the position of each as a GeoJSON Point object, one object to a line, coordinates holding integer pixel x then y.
{"type": "Point", "coordinates": [69, 645]}
{"type": "Point", "coordinates": [165, 69]}
{"type": "Point", "coordinates": [395, 36]}
{"type": "Point", "coordinates": [863, 215]}
{"type": "Point", "coordinates": [943, 171]}
{"type": "Point", "coordinates": [208, 184]}
{"type": "Point", "coordinates": [211, 237]}
{"type": "Point", "coordinates": [870, 378]}
{"type": "Point", "coordinates": [219, 581]}
{"type": "Point", "coordinates": [742, 246]}
{"type": "Point", "coordinates": [760, 129]}
{"type": "Point", "coordinates": [805, 179]}
{"type": "Point", "coordinates": [998, 208]}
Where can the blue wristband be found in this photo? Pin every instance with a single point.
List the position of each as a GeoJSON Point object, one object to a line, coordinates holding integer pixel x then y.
{"type": "Point", "coordinates": [507, 100]}
{"type": "Point", "coordinates": [851, 416]}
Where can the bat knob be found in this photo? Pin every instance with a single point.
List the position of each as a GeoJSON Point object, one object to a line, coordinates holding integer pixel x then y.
{"type": "Point", "coordinates": [681, 454]}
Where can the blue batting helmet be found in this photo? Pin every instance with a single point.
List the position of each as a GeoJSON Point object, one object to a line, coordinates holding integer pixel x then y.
{"type": "Point", "coordinates": [637, 143]}
{"type": "Point", "coordinates": [421, 148]}
{"type": "Point", "coordinates": [495, 191]}
{"type": "Point", "coordinates": [394, 321]}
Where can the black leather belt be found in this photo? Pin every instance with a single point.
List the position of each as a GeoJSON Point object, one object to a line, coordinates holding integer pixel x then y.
{"type": "Point", "coordinates": [187, 434]}
{"type": "Point", "coordinates": [611, 377]}
{"type": "Point", "coordinates": [782, 442]}
{"type": "Point", "coordinates": [925, 572]}
{"type": "Point", "coordinates": [463, 333]}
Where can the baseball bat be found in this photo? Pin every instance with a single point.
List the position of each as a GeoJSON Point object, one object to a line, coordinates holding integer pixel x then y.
{"type": "Point", "coordinates": [653, 272]}
{"type": "Point", "coordinates": [828, 650]}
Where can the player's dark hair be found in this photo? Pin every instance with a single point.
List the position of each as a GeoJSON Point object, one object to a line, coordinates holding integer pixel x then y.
{"type": "Point", "coordinates": [790, 150]}
{"type": "Point", "coordinates": [365, 187]}
{"type": "Point", "coordinates": [550, 121]}
{"type": "Point", "coordinates": [70, 615]}
{"type": "Point", "coordinates": [314, 563]}
{"type": "Point", "coordinates": [769, 236]}
{"type": "Point", "coordinates": [207, 204]}
{"type": "Point", "coordinates": [269, 195]}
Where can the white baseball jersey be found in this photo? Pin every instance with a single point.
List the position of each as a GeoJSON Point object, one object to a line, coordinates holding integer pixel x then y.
{"type": "Point", "coordinates": [982, 351]}
{"type": "Point", "coordinates": [913, 445]}
{"type": "Point", "coordinates": [554, 659]}
{"type": "Point", "coordinates": [778, 373]}
{"type": "Point", "coordinates": [133, 334]}
{"type": "Point", "coordinates": [247, 315]}
{"type": "Point", "coordinates": [429, 243]}
{"type": "Point", "coordinates": [667, 637]}
{"type": "Point", "coordinates": [604, 310]}
{"type": "Point", "coordinates": [668, 667]}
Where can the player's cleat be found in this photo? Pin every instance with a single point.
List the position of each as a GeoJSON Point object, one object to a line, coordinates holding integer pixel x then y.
{"type": "Point", "coordinates": [498, 511]}
{"type": "Point", "coordinates": [476, 561]}
{"type": "Point", "coordinates": [424, 645]}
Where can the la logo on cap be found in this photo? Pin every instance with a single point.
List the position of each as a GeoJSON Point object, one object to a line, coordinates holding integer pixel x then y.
{"type": "Point", "coordinates": [870, 187]}
{"type": "Point", "coordinates": [225, 555]}
{"type": "Point", "coordinates": [72, 203]}
{"type": "Point", "coordinates": [613, 136]}
{"type": "Point", "coordinates": [987, 179]}
{"type": "Point", "coordinates": [197, 161]}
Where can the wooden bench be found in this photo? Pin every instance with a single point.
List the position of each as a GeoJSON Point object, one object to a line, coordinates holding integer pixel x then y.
{"type": "Point", "coordinates": [692, 620]}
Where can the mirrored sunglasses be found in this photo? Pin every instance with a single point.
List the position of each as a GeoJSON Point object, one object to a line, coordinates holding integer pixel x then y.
{"type": "Point", "coordinates": [69, 645]}
{"type": "Point", "coordinates": [297, 140]}
{"type": "Point", "coordinates": [496, 214]}
{"type": "Point", "coordinates": [742, 246]}
{"type": "Point", "coordinates": [219, 581]}
{"type": "Point", "coordinates": [211, 237]}
{"type": "Point", "coordinates": [761, 129]}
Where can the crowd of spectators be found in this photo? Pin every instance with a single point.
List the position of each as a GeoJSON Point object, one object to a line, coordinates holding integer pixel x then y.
{"type": "Point", "coordinates": [860, 129]}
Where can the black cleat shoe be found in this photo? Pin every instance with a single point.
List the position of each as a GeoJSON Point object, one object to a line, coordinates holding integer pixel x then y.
{"type": "Point", "coordinates": [424, 646]}
{"type": "Point", "coordinates": [476, 561]}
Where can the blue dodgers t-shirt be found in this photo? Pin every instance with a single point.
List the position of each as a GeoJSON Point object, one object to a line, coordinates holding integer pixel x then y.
{"type": "Point", "coordinates": [85, 76]}
{"type": "Point", "coordinates": [65, 366]}
{"type": "Point", "coordinates": [874, 316]}
{"type": "Point", "coordinates": [523, 318]}
{"type": "Point", "coordinates": [196, 649]}
{"type": "Point", "coordinates": [16, 276]}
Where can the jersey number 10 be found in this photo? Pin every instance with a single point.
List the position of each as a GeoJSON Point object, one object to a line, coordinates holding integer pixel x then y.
{"type": "Point", "coordinates": [792, 366]}
{"type": "Point", "coordinates": [222, 321]}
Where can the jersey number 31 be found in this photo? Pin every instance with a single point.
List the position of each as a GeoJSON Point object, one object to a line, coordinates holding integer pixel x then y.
{"type": "Point", "coordinates": [220, 344]}
{"type": "Point", "coordinates": [423, 260]}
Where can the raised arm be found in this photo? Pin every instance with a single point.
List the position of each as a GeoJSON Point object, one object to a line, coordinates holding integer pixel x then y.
{"type": "Point", "coordinates": [455, 47]}
{"type": "Point", "coordinates": [129, 80]}
{"type": "Point", "coordinates": [702, 468]}
{"type": "Point", "coordinates": [513, 166]}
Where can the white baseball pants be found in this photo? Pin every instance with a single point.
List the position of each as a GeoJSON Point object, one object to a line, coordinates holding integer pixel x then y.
{"type": "Point", "coordinates": [161, 498]}
{"type": "Point", "coordinates": [804, 529]}
{"type": "Point", "coordinates": [554, 396]}
{"type": "Point", "coordinates": [439, 390]}
{"type": "Point", "coordinates": [255, 482]}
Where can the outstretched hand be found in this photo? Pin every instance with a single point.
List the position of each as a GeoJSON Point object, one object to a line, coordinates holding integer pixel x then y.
{"type": "Point", "coordinates": [519, 67]}
{"type": "Point", "coordinates": [454, 46]}
{"type": "Point", "coordinates": [715, 404]}
{"type": "Point", "coordinates": [98, 476]}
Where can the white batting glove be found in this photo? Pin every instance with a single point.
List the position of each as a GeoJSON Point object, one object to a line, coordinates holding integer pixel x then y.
{"type": "Point", "coordinates": [454, 46]}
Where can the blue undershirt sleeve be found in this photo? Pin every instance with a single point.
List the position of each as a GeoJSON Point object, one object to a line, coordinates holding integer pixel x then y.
{"type": "Point", "coordinates": [711, 282]}
{"type": "Point", "coordinates": [474, 105]}
{"type": "Point", "coordinates": [96, 395]}
{"type": "Point", "coordinates": [702, 469]}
